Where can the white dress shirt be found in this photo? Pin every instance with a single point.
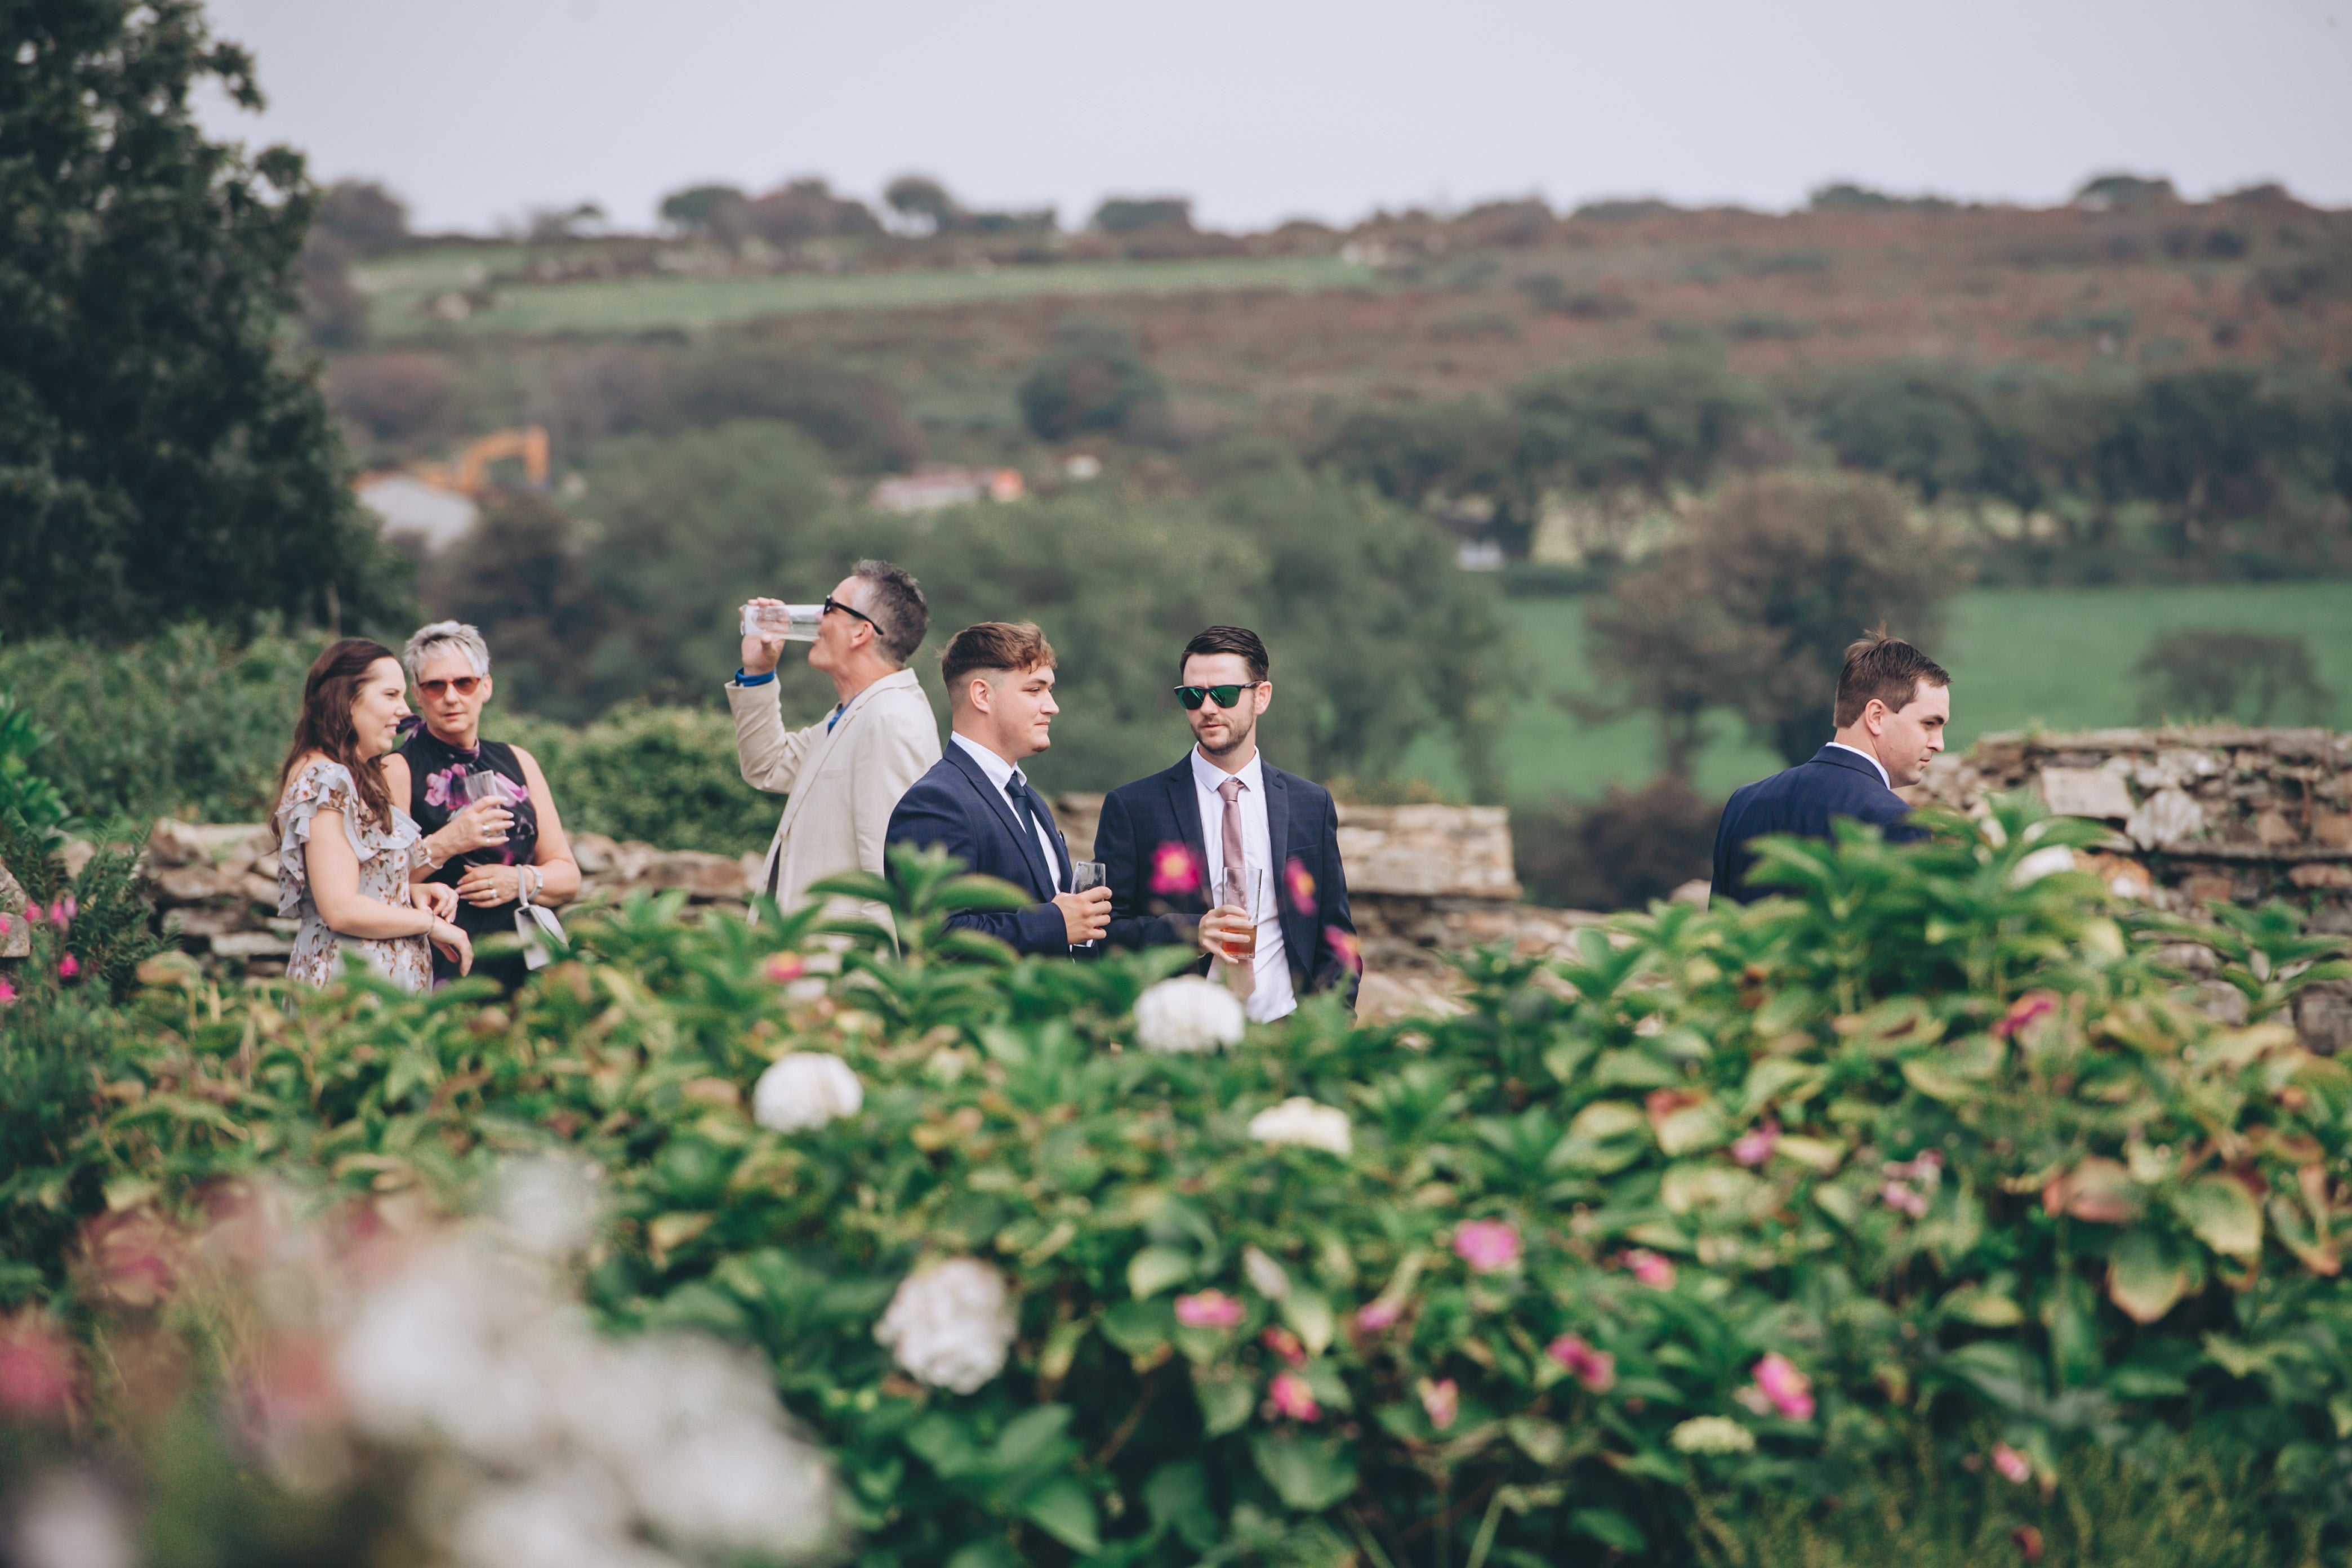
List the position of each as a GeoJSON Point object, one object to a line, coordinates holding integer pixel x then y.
{"type": "Point", "coordinates": [1866, 757]}
{"type": "Point", "coordinates": [1000, 773]}
{"type": "Point", "coordinates": [1271, 997]}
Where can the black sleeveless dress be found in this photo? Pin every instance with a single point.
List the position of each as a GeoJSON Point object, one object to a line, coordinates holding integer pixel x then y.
{"type": "Point", "coordinates": [434, 768]}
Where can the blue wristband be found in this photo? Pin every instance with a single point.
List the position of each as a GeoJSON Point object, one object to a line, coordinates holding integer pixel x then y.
{"type": "Point", "coordinates": [743, 679]}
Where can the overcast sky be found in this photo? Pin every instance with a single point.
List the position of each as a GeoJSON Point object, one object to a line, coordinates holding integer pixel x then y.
{"type": "Point", "coordinates": [478, 111]}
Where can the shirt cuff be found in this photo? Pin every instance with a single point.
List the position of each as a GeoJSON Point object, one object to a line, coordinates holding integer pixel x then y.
{"type": "Point", "coordinates": [743, 679]}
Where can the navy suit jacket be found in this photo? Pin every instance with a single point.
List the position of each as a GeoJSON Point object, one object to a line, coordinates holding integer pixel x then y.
{"type": "Point", "coordinates": [1832, 782]}
{"type": "Point", "coordinates": [1141, 818]}
{"type": "Point", "coordinates": [955, 806]}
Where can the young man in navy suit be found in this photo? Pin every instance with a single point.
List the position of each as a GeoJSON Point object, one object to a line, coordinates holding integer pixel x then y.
{"type": "Point", "coordinates": [976, 803]}
{"type": "Point", "coordinates": [1224, 842]}
{"type": "Point", "coordinates": [1892, 702]}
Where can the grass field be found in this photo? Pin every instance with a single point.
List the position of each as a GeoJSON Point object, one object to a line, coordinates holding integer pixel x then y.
{"type": "Point", "coordinates": [2056, 658]}
{"type": "Point", "coordinates": [623, 305]}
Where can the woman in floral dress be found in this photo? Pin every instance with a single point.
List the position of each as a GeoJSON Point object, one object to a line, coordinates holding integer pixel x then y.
{"type": "Point", "coordinates": [344, 850]}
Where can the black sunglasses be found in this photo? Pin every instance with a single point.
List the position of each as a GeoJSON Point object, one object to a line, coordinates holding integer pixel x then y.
{"type": "Point", "coordinates": [1226, 696]}
{"type": "Point", "coordinates": [832, 604]}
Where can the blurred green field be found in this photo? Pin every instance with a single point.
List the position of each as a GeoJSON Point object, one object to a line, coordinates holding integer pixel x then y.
{"type": "Point", "coordinates": [2058, 659]}
{"type": "Point", "coordinates": [687, 304]}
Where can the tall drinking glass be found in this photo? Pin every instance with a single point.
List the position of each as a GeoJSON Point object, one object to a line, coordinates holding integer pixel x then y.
{"type": "Point", "coordinates": [1243, 889]}
{"type": "Point", "coordinates": [798, 622]}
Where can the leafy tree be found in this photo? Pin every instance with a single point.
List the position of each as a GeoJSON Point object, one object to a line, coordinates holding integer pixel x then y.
{"type": "Point", "coordinates": [2209, 672]}
{"type": "Point", "coordinates": [160, 457]}
{"type": "Point", "coordinates": [521, 575]}
{"type": "Point", "coordinates": [363, 215]}
{"type": "Point", "coordinates": [714, 210]}
{"type": "Point", "coordinates": [1092, 376]}
{"type": "Point", "coordinates": [1750, 610]}
{"type": "Point", "coordinates": [807, 209]}
{"type": "Point", "coordinates": [1919, 423]}
{"type": "Point", "coordinates": [1451, 449]}
{"type": "Point", "coordinates": [1637, 425]}
{"type": "Point", "coordinates": [1132, 214]}
{"type": "Point", "coordinates": [856, 419]}
{"type": "Point", "coordinates": [920, 197]}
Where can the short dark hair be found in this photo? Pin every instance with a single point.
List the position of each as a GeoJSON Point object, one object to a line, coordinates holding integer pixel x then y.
{"type": "Point", "coordinates": [1887, 668]}
{"type": "Point", "coordinates": [992, 644]}
{"type": "Point", "coordinates": [1228, 639]}
{"type": "Point", "coordinates": [895, 601]}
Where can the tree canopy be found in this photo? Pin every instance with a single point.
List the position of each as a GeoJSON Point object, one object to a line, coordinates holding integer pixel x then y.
{"type": "Point", "coordinates": [160, 457]}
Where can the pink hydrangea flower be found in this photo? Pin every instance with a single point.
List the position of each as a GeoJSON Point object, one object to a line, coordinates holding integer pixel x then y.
{"type": "Point", "coordinates": [1896, 1195]}
{"type": "Point", "coordinates": [781, 967]}
{"type": "Point", "coordinates": [7, 992]}
{"type": "Point", "coordinates": [1486, 1244]}
{"type": "Point", "coordinates": [1174, 870]}
{"type": "Point", "coordinates": [1650, 1268]}
{"type": "Point", "coordinates": [34, 913]}
{"type": "Point", "coordinates": [1294, 1398]}
{"type": "Point", "coordinates": [1374, 1316]}
{"type": "Point", "coordinates": [1756, 1145]}
{"type": "Point", "coordinates": [68, 966]}
{"type": "Point", "coordinates": [1442, 1401]}
{"type": "Point", "coordinates": [1285, 1345]}
{"type": "Point", "coordinates": [1927, 1169]}
{"type": "Point", "coordinates": [2024, 1010]}
{"type": "Point", "coordinates": [1597, 1370]}
{"type": "Point", "coordinates": [1790, 1391]}
{"type": "Point", "coordinates": [62, 912]}
{"type": "Point", "coordinates": [2014, 1467]}
{"type": "Point", "coordinates": [1208, 1309]}
{"type": "Point", "coordinates": [1300, 882]}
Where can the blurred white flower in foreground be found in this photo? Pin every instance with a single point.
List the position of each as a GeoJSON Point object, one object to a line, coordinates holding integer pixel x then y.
{"type": "Point", "coordinates": [67, 1519]}
{"type": "Point", "coordinates": [805, 1090]}
{"type": "Point", "coordinates": [2044, 862]}
{"type": "Point", "coordinates": [1188, 1014]}
{"type": "Point", "coordinates": [1303, 1121]}
{"type": "Point", "coordinates": [950, 1325]}
{"type": "Point", "coordinates": [548, 1203]}
{"type": "Point", "coordinates": [1269, 1278]}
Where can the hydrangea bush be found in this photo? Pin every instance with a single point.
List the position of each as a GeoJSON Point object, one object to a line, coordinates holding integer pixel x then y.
{"type": "Point", "coordinates": [1730, 1208]}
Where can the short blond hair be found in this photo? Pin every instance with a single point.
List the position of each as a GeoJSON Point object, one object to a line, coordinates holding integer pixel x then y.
{"type": "Point", "coordinates": [438, 637]}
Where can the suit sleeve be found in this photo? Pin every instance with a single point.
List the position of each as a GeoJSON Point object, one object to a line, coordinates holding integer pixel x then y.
{"type": "Point", "coordinates": [890, 759]}
{"type": "Point", "coordinates": [928, 815]}
{"type": "Point", "coordinates": [1128, 872]}
{"type": "Point", "coordinates": [1334, 970]}
{"type": "Point", "coordinates": [1892, 817]}
{"type": "Point", "coordinates": [768, 755]}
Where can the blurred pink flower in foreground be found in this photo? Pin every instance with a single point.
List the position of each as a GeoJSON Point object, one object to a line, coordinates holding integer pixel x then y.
{"type": "Point", "coordinates": [1779, 1386]}
{"type": "Point", "coordinates": [1285, 1343]}
{"type": "Point", "coordinates": [7, 992]}
{"type": "Point", "coordinates": [6, 925]}
{"type": "Point", "coordinates": [1597, 1370]}
{"type": "Point", "coordinates": [1294, 1398]}
{"type": "Point", "coordinates": [1910, 1182]}
{"type": "Point", "coordinates": [68, 966]}
{"type": "Point", "coordinates": [1374, 1316]}
{"type": "Point", "coordinates": [2013, 1466]}
{"type": "Point", "coordinates": [1650, 1268]}
{"type": "Point", "coordinates": [36, 1366]}
{"type": "Point", "coordinates": [1486, 1244]}
{"type": "Point", "coordinates": [1301, 884]}
{"type": "Point", "coordinates": [1895, 1195]}
{"type": "Point", "coordinates": [781, 967]}
{"type": "Point", "coordinates": [62, 912]}
{"type": "Point", "coordinates": [1350, 950]}
{"type": "Point", "coordinates": [1442, 1399]}
{"type": "Point", "coordinates": [1174, 870]}
{"type": "Point", "coordinates": [1208, 1309]}
{"type": "Point", "coordinates": [2024, 1010]}
{"type": "Point", "coordinates": [1756, 1145]}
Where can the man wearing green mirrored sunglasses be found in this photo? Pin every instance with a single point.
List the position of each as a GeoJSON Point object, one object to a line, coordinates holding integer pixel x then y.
{"type": "Point", "coordinates": [1227, 853]}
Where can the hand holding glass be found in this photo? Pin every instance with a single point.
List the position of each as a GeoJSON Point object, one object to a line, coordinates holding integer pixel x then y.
{"type": "Point", "coordinates": [793, 623]}
{"type": "Point", "coordinates": [1245, 902]}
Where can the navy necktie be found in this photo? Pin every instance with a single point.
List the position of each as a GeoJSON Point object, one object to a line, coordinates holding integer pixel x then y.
{"type": "Point", "coordinates": [1026, 805]}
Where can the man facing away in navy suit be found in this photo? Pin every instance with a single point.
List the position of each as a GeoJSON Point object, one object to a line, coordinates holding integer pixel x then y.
{"type": "Point", "coordinates": [1226, 822]}
{"type": "Point", "coordinates": [976, 804]}
{"type": "Point", "coordinates": [1892, 702]}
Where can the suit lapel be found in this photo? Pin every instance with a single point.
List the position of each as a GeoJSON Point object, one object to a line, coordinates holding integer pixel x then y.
{"type": "Point", "coordinates": [821, 751]}
{"type": "Point", "coordinates": [1184, 801]}
{"type": "Point", "coordinates": [1030, 854]}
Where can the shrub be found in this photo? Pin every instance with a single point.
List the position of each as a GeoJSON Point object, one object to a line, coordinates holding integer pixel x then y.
{"type": "Point", "coordinates": [1722, 1217]}
{"type": "Point", "coordinates": [1617, 854]}
{"type": "Point", "coordinates": [665, 776]}
{"type": "Point", "coordinates": [854, 417]}
{"type": "Point", "coordinates": [2210, 673]}
{"type": "Point", "coordinates": [1093, 376]}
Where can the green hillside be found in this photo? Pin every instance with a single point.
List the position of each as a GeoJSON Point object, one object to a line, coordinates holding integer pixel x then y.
{"type": "Point", "coordinates": [2061, 659]}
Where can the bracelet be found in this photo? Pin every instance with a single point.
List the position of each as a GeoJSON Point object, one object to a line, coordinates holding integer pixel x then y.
{"type": "Point", "coordinates": [432, 862]}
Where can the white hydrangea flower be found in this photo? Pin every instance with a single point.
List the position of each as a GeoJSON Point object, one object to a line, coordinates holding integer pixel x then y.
{"type": "Point", "coordinates": [805, 1090]}
{"type": "Point", "coordinates": [1188, 1014]}
{"type": "Point", "coordinates": [1303, 1121]}
{"type": "Point", "coordinates": [1712, 1435]}
{"type": "Point", "coordinates": [950, 1325]}
{"type": "Point", "coordinates": [548, 1203]}
{"type": "Point", "coordinates": [1270, 1279]}
{"type": "Point", "coordinates": [2045, 862]}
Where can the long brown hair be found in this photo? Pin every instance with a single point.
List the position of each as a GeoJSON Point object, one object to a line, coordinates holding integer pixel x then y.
{"type": "Point", "coordinates": [325, 726]}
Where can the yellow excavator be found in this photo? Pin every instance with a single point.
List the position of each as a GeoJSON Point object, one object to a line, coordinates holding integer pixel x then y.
{"type": "Point", "coordinates": [465, 474]}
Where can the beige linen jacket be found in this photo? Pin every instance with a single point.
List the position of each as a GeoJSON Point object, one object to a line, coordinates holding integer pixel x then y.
{"type": "Point", "coordinates": [844, 783]}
